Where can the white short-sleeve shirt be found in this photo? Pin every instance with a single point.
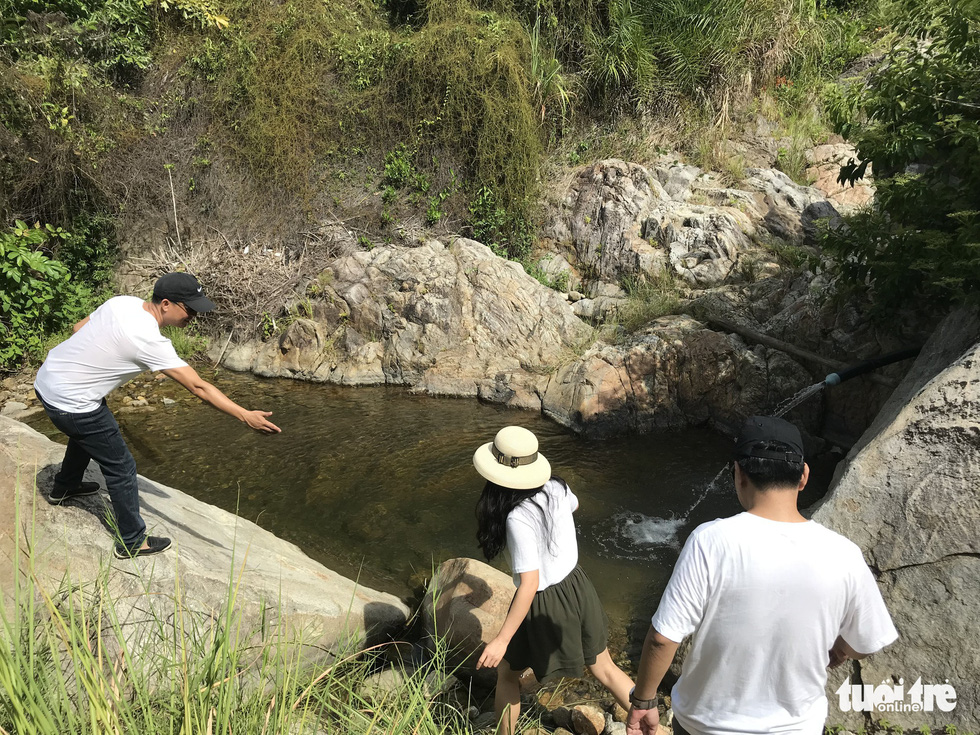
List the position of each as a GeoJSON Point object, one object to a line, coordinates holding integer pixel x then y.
{"type": "Point", "coordinates": [541, 535]}
{"type": "Point", "coordinates": [765, 601]}
{"type": "Point", "coordinates": [120, 340]}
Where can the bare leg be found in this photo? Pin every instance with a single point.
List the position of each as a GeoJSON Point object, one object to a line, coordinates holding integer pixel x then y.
{"type": "Point", "coordinates": [507, 699]}
{"type": "Point", "coordinates": [612, 678]}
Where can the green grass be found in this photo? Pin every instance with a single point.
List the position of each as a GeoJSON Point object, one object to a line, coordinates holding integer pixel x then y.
{"type": "Point", "coordinates": [188, 342]}
{"type": "Point", "coordinates": [648, 299]}
{"type": "Point", "coordinates": [69, 664]}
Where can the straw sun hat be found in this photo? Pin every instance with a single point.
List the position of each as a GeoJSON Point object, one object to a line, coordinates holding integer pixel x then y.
{"type": "Point", "coordinates": [512, 460]}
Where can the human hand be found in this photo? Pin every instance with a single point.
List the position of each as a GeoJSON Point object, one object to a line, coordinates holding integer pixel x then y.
{"type": "Point", "coordinates": [839, 653]}
{"type": "Point", "coordinates": [493, 654]}
{"type": "Point", "coordinates": [257, 420]}
{"type": "Point", "coordinates": [642, 721]}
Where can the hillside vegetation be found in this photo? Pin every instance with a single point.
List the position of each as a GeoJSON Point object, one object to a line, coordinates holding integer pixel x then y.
{"type": "Point", "coordinates": [278, 117]}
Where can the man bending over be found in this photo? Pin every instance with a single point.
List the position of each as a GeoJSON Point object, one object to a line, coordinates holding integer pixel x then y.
{"type": "Point", "coordinates": [114, 344]}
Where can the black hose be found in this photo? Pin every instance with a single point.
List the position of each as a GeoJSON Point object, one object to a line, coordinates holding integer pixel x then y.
{"type": "Point", "coordinates": [872, 364]}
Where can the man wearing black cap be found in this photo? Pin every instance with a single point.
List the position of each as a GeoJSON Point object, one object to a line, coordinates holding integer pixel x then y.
{"type": "Point", "coordinates": [771, 600]}
{"type": "Point", "coordinates": [114, 344]}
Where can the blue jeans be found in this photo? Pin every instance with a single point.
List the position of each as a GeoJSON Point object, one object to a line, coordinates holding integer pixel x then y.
{"type": "Point", "coordinates": [95, 435]}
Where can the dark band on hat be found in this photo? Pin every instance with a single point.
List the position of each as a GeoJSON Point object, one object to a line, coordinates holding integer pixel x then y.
{"type": "Point", "coordinates": [506, 459]}
{"type": "Point", "coordinates": [761, 453]}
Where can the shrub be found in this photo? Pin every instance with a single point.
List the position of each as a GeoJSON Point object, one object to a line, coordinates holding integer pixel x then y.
{"type": "Point", "coordinates": [917, 124]}
{"type": "Point", "coordinates": [37, 296]}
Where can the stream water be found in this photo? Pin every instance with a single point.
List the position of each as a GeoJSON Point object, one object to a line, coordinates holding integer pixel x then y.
{"type": "Point", "coordinates": [378, 484]}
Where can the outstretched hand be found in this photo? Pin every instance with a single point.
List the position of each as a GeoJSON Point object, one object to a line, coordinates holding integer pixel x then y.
{"type": "Point", "coordinates": [642, 721]}
{"type": "Point", "coordinates": [257, 420]}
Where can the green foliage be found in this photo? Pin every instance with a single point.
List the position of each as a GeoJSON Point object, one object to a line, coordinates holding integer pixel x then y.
{"type": "Point", "coordinates": [37, 296]}
{"type": "Point", "coordinates": [90, 249]}
{"type": "Point", "coordinates": [187, 341]}
{"type": "Point", "coordinates": [509, 236]}
{"type": "Point", "coordinates": [398, 167]}
{"type": "Point", "coordinates": [918, 124]}
{"type": "Point", "coordinates": [619, 61]}
{"type": "Point", "coordinates": [648, 299]}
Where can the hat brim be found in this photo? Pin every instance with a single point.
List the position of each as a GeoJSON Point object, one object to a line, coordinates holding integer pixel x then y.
{"type": "Point", "coordinates": [200, 304]}
{"type": "Point", "coordinates": [526, 477]}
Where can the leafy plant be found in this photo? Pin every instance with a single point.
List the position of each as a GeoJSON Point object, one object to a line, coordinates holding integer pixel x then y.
{"type": "Point", "coordinates": [398, 167]}
{"type": "Point", "coordinates": [37, 296]}
{"type": "Point", "coordinates": [918, 125]}
{"type": "Point", "coordinates": [508, 235]}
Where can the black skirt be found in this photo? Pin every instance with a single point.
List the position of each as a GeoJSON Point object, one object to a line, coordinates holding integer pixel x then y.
{"type": "Point", "coordinates": [564, 630]}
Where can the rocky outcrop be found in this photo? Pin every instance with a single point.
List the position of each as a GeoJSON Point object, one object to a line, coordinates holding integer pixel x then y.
{"type": "Point", "coordinates": [674, 373]}
{"type": "Point", "coordinates": [909, 495]}
{"type": "Point", "coordinates": [441, 320]}
{"type": "Point", "coordinates": [279, 589]}
{"type": "Point", "coordinates": [462, 321]}
{"type": "Point", "coordinates": [621, 220]}
{"type": "Point", "coordinates": [824, 169]}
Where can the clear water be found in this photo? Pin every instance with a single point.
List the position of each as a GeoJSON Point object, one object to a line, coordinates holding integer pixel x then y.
{"type": "Point", "coordinates": [379, 485]}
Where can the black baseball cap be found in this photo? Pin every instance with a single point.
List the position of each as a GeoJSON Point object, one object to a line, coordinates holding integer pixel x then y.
{"type": "Point", "coordinates": [759, 430]}
{"type": "Point", "coordinates": [183, 288]}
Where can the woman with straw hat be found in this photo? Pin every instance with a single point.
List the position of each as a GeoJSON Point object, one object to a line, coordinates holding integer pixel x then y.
{"type": "Point", "coordinates": [555, 624]}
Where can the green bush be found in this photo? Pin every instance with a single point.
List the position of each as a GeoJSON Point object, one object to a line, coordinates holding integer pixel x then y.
{"type": "Point", "coordinates": [917, 123]}
{"type": "Point", "coordinates": [508, 235]}
{"type": "Point", "coordinates": [37, 296]}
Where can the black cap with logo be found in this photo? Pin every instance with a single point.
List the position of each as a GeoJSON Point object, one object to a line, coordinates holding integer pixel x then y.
{"type": "Point", "coordinates": [182, 288]}
{"type": "Point", "coordinates": [760, 430]}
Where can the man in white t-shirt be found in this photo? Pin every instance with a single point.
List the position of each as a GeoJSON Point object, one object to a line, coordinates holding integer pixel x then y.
{"type": "Point", "coordinates": [114, 344]}
{"type": "Point", "coordinates": [771, 600]}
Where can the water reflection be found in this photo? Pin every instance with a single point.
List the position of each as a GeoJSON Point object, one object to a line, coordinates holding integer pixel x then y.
{"type": "Point", "coordinates": [378, 484]}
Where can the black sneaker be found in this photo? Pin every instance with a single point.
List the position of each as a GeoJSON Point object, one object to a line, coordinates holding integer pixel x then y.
{"type": "Point", "coordinates": [156, 544]}
{"type": "Point", "coordinates": [82, 491]}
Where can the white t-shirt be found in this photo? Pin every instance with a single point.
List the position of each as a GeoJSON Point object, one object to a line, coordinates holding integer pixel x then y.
{"type": "Point", "coordinates": [529, 542]}
{"type": "Point", "coordinates": [765, 601]}
{"type": "Point", "coordinates": [120, 340]}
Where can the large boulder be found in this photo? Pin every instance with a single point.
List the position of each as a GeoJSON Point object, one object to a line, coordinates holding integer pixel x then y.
{"type": "Point", "coordinates": [674, 373]}
{"type": "Point", "coordinates": [442, 320]}
{"type": "Point", "coordinates": [461, 321]}
{"type": "Point", "coordinates": [909, 495]}
{"type": "Point", "coordinates": [216, 554]}
{"type": "Point", "coordinates": [465, 605]}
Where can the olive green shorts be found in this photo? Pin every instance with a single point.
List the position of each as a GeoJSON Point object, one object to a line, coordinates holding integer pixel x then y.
{"type": "Point", "coordinates": [563, 632]}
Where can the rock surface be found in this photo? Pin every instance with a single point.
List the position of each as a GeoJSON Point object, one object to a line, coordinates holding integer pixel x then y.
{"type": "Point", "coordinates": [211, 549]}
{"type": "Point", "coordinates": [460, 321]}
{"type": "Point", "coordinates": [466, 604]}
{"type": "Point", "coordinates": [909, 495]}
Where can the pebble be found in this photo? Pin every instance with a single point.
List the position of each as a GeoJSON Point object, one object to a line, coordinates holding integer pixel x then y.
{"type": "Point", "coordinates": [168, 401]}
{"type": "Point", "coordinates": [588, 720]}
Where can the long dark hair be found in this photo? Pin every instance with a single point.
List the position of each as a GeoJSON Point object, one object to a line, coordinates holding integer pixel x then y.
{"type": "Point", "coordinates": [495, 504]}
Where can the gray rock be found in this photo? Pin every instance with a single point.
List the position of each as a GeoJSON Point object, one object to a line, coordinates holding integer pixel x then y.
{"type": "Point", "coordinates": [467, 316]}
{"type": "Point", "coordinates": [212, 547]}
{"type": "Point", "coordinates": [673, 373]}
{"type": "Point", "coordinates": [394, 680]}
{"type": "Point", "coordinates": [12, 408]}
{"type": "Point", "coordinates": [909, 495]}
